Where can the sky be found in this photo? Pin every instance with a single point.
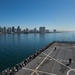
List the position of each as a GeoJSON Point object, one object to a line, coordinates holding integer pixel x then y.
{"type": "Point", "coordinates": [53, 14]}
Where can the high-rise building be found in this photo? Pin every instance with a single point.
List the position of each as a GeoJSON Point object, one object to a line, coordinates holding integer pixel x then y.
{"type": "Point", "coordinates": [0, 29]}
{"type": "Point", "coordinates": [9, 30]}
{"type": "Point", "coordinates": [4, 30]}
{"type": "Point", "coordinates": [35, 30]}
{"type": "Point", "coordinates": [13, 29]}
{"type": "Point", "coordinates": [18, 29]}
{"type": "Point", "coordinates": [27, 30]}
{"type": "Point", "coordinates": [54, 30]}
{"type": "Point", "coordinates": [42, 29]}
{"type": "Point", "coordinates": [24, 30]}
{"type": "Point", "coordinates": [47, 31]}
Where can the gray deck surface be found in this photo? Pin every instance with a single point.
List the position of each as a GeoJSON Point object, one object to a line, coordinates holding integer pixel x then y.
{"type": "Point", "coordinates": [52, 62]}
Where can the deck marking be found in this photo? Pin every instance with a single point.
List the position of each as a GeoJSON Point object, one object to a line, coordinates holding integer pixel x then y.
{"type": "Point", "coordinates": [61, 60]}
{"type": "Point", "coordinates": [43, 61]}
{"type": "Point", "coordinates": [61, 64]}
{"type": "Point", "coordinates": [38, 57]}
{"type": "Point", "coordinates": [58, 61]}
{"type": "Point", "coordinates": [39, 71]}
{"type": "Point", "coordinates": [55, 62]}
{"type": "Point", "coordinates": [70, 71]}
{"type": "Point", "coordinates": [65, 49]}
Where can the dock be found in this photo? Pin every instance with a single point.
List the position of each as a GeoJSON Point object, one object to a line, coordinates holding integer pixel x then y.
{"type": "Point", "coordinates": [52, 60]}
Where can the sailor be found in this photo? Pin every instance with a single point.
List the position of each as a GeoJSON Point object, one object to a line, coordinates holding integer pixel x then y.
{"type": "Point", "coordinates": [55, 48]}
{"type": "Point", "coordinates": [17, 67]}
{"type": "Point", "coordinates": [70, 60]}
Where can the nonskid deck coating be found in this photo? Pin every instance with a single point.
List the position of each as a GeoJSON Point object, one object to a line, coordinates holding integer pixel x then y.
{"type": "Point", "coordinates": [52, 62]}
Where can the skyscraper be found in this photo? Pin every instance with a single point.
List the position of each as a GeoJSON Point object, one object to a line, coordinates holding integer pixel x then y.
{"type": "Point", "coordinates": [9, 30]}
{"type": "Point", "coordinates": [4, 30]}
{"type": "Point", "coordinates": [0, 29]}
{"type": "Point", "coordinates": [54, 30]}
{"type": "Point", "coordinates": [27, 30]}
{"type": "Point", "coordinates": [13, 29]}
{"type": "Point", "coordinates": [42, 29]}
{"type": "Point", "coordinates": [18, 29]}
{"type": "Point", "coordinates": [35, 30]}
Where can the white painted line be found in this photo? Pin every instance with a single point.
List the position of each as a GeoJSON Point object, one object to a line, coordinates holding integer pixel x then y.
{"type": "Point", "coordinates": [58, 61]}
{"type": "Point", "coordinates": [70, 71]}
{"type": "Point", "coordinates": [66, 49]}
{"type": "Point", "coordinates": [39, 71]}
{"type": "Point", "coordinates": [61, 60]}
{"type": "Point", "coordinates": [55, 62]}
{"type": "Point", "coordinates": [50, 59]}
{"type": "Point", "coordinates": [43, 60]}
{"type": "Point", "coordinates": [28, 69]}
{"type": "Point", "coordinates": [65, 60]}
{"type": "Point", "coordinates": [38, 57]}
{"type": "Point", "coordinates": [62, 64]}
{"type": "Point", "coordinates": [35, 71]}
{"type": "Point", "coordinates": [47, 73]}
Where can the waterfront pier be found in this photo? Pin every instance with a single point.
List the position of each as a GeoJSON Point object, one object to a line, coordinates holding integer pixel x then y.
{"type": "Point", "coordinates": [50, 60]}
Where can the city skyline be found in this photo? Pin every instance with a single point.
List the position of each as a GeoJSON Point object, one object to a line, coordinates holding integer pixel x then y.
{"type": "Point", "coordinates": [53, 14]}
{"type": "Point", "coordinates": [25, 27]}
{"type": "Point", "coordinates": [26, 30]}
